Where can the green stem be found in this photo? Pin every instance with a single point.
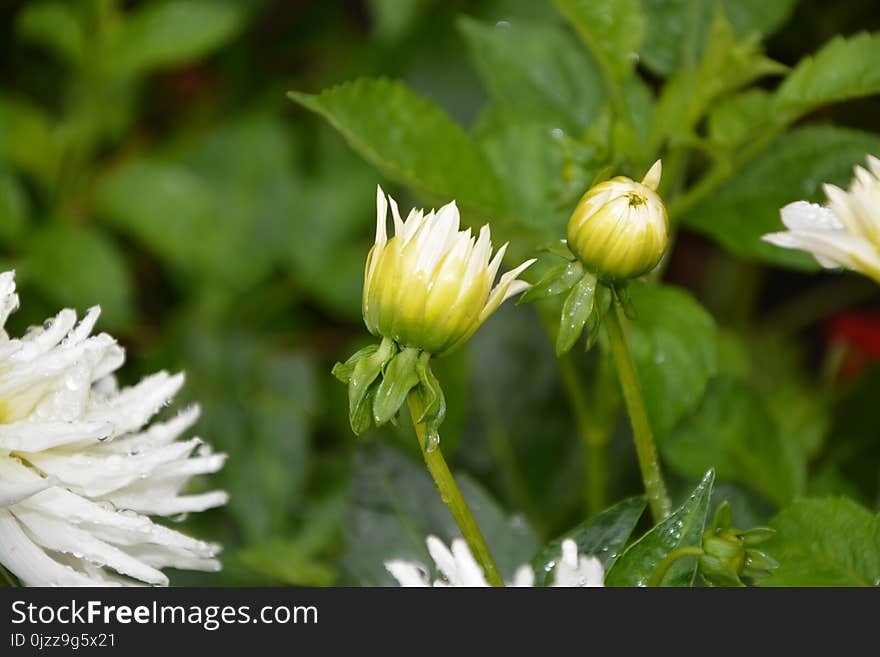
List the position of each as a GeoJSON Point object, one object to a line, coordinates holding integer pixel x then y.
{"type": "Point", "coordinates": [671, 558]}
{"type": "Point", "coordinates": [649, 465]}
{"type": "Point", "coordinates": [593, 437]}
{"type": "Point", "coordinates": [451, 495]}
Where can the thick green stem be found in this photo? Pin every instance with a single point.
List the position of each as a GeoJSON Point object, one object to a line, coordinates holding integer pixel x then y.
{"type": "Point", "coordinates": [671, 558]}
{"type": "Point", "coordinates": [638, 416]}
{"type": "Point", "coordinates": [451, 495]}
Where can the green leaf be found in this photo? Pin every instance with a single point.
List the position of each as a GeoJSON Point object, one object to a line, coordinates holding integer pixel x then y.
{"type": "Point", "coordinates": [217, 209]}
{"type": "Point", "coordinates": [602, 536]}
{"type": "Point", "coordinates": [792, 168]}
{"type": "Point", "coordinates": [676, 30]}
{"type": "Point", "coordinates": [536, 71]}
{"type": "Point", "coordinates": [53, 25]}
{"type": "Point", "coordinates": [167, 34]}
{"type": "Point", "coordinates": [733, 432]}
{"type": "Point", "coordinates": [26, 139]}
{"type": "Point", "coordinates": [286, 563]}
{"type": "Point", "coordinates": [410, 139]}
{"type": "Point", "coordinates": [527, 161]}
{"type": "Point", "coordinates": [828, 542]}
{"type": "Point", "coordinates": [674, 344]}
{"type": "Point", "coordinates": [576, 310]}
{"type": "Point", "coordinates": [737, 118]}
{"type": "Point", "coordinates": [395, 506]}
{"type": "Point", "coordinates": [684, 527]}
{"type": "Point", "coordinates": [727, 65]}
{"type": "Point", "coordinates": [80, 268]}
{"type": "Point", "coordinates": [844, 69]}
{"type": "Point", "coordinates": [611, 29]}
{"type": "Point", "coordinates": [14, 209]}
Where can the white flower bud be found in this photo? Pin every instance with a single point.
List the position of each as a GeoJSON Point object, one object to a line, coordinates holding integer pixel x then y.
{"type": "Point", "coordinates": [620, 228]}
{"type": "Point", "coordinates": [430, 285]}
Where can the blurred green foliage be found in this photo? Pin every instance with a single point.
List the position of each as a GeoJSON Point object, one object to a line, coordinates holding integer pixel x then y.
{"type": "Point", "coordinates": [150, 162]}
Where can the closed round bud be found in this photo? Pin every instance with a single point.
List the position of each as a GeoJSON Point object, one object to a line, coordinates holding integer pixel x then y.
{"type": "Point", "coordinates": [430, 285]}
{"type": "Point", "coordinates": [620, 229]}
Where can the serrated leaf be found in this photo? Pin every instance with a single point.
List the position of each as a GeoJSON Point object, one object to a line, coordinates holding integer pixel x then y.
{"type": "Point", "coordinates": [163, 34]}
{"type": "Point", "coordinates": [576, 310]}
{"type": "Point", "coordinates": [676, 30]}
{"type": "Point", "coordinates": [733, 432]}
{"type": "Point", "coordinates": [602, 536]}
{"type": "Point", "coordinates": [843, 69]}
{"type": "Point", "coordinates": [80, 268]}
{"type": "Point", "coordinates": [684, 527]}
{"type": "Point", "coordinates": [674, 345]}
{"type": "Point", "coordinates": [611, 29]}
{"type": "Point", "coordinates": [410, 139]}
{"type": "Point", "coordinates": [536, 71]}
{"type": "Point", "coordinates": [829, 542]}
{"type": "Point", "coordinates": [726, 65]}
{"type": "Point", "coordinates": [791, 168]}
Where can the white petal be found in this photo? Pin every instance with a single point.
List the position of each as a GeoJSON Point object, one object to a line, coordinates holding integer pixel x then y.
{"type": "Point", "coordinates": [30, 564]}
{"type": "Point", "coordinates": [407, 573]}
{"type": "Point", "coordinates": [11, 493]}
{"type": "Point", "coordinates": [802, 215]}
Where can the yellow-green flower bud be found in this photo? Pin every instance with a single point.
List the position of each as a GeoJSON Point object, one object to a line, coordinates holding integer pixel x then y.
{"type": "Point", "coordinates": [430, 285]}
{"type": "Point", "coordinates": [620, 228]}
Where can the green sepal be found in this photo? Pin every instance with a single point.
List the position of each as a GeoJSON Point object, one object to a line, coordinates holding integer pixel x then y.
{"type": "Point", "coordinates": [558, 248]}
{"type": "Point", "coordinates": [361, 416]}
{"type": "Point", "coordinates": [343, 371]}
{"type": "Point", "coordinates": [432, 394]}
{"type": "Point", "coordinates": [400, 376]}
{"type": "Point", "coordinates": [361, 388]}
{"type": "Point", "coordinates": [556, 281]}
{"type": "Point", "coordinates": [621, 295]}
{"type": "Point", "coordinates": [757, 561]}
{"type": "Point", "coordinates": [723, 516]}
{"type": "Point", "coordinates": [715, 573]}
{"type": "Point", "coordinates": [575, 311]}
{"type": "Point", "coordinates": [601, 304]}
{"type": "Point", "coordinates": [757, 535]}
{"type": "Point", "coordinates": [433, 401]}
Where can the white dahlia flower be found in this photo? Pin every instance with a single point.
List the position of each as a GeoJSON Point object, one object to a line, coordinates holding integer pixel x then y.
{"type": "Point", "coordinates": [80, 473]}
{"type": "Point", "coordinates": [459, 568]}
{"type": "Point", "coordinates": [843, 233]}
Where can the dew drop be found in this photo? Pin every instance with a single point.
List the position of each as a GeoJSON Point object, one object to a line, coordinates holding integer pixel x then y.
{"type": "Point", "coordinates": [432, 441]}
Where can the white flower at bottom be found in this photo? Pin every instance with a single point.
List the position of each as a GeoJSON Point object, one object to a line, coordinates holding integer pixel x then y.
{"type": "Point", "coordinates": [459, 568]}
{"type": "Point", "coordinates": [79, 472]}
{"type": "Point", "coordinates": [846, 232]}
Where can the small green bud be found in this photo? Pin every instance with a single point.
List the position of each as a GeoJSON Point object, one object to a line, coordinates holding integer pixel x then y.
{"type": "Point", "coordinates": [620, 229]}
{"type": "Point", "coordinates": [728, 555]}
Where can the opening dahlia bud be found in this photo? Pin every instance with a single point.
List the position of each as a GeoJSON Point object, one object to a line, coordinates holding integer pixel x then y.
{"type": "Point", "coordinates": [430, 285]}
{"type": "Point", "coordinates": [426, 290]}
{"type": "Point", "coordinates": [620, 229]}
